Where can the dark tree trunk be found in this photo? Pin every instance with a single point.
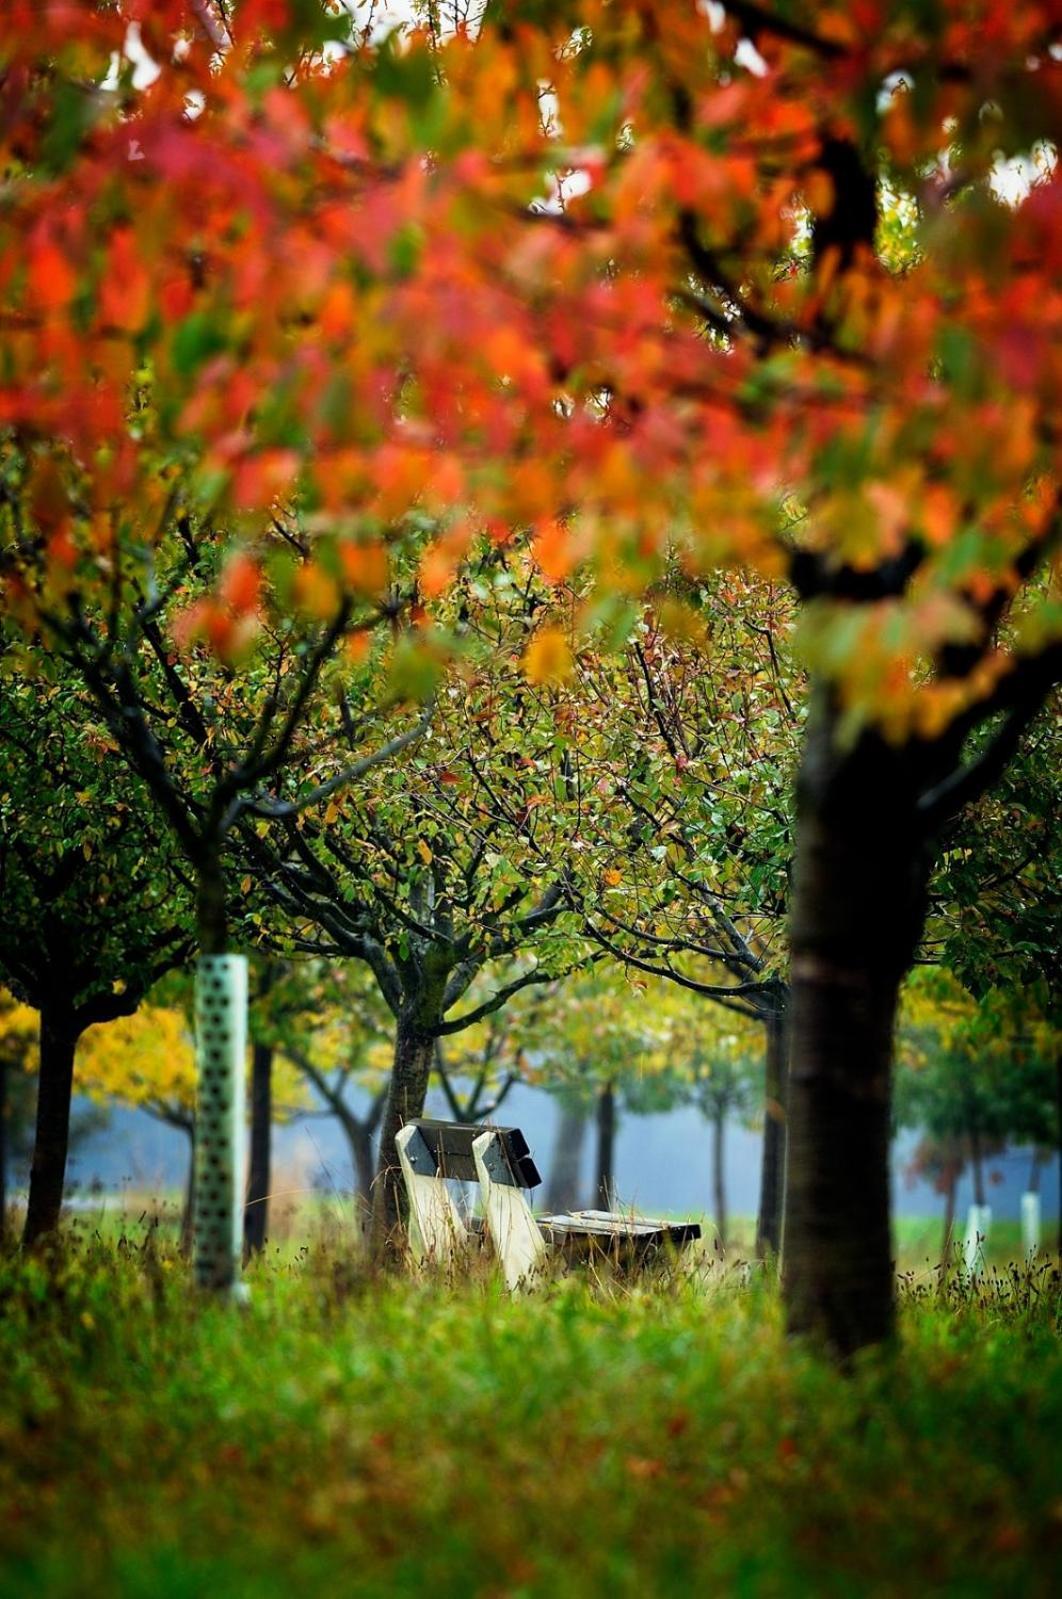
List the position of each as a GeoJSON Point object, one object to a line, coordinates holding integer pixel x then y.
{"type": "Point", "coordinates": [952, 1182]}
{"type": "Point", "coordinates": [565, 1168]}
{"type": "Point", "coordinates": [719, 1173]}
{"type": "Point", "coordinates": [55, 1082]}
{"type": "Point", "coordinates": [858, 909]}
{"type": "Point", "coordinates": [256, 1209]}
{"type": "Point", "coordinates": [414, 1056]}
{"type": "Point", "coordinates": [772, 1172]}
{"type": "Point", "coordinates": [211, 914]}
{"type": "Point", "coordinates": [1035, 1169]}
{"type": "Point", "coordinates": [3, 1150]}
{"type": "Point", "coordinates": [187, 1237]}
{"type": "Point", "coordinates": [1058, 1136]}
{"type": "Point", "coordinates": [605, 1184]}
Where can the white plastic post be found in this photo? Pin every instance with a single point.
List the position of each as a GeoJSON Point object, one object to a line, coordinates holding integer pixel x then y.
{"type": "Point", "coordinates": [978, 1225]}
{"type": "Point", "coordinates": [1030, 1224]}
{"type": "Point", "coordinates": [436, 1230]}
{"type": "Point", "coordinates": [517, 1237]}
{"type": "Point", "coordinates": [221, 1046]}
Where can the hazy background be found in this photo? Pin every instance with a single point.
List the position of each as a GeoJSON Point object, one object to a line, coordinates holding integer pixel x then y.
{"type": "Point", "coordinates": [663, 1162]}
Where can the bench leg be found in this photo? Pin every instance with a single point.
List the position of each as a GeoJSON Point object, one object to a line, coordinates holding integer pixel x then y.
{"type": "Point", "coordinates": [517, 1238]}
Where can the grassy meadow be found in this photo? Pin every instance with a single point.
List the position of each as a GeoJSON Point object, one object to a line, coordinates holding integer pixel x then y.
{"type": "Point", "coordinates": [348, 1434]}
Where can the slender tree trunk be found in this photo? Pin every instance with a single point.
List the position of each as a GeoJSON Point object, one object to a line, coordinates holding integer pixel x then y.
{"type": "Point", "coordinates": [605, 1185]}
{"type": "Point", "coordinates": [1035, 1169]}
{"type": "Point", "coordinates": [858, 910]}
{"type": "Point", "coordinates": [719, 1173]}
{"type": "Point", "coordinates": [414, 1056]}
{"type": "Point", "coordinates": [212, 924]}
{"type": "Point", "coordinates": [187, 1236]}
{"type": "Point", "coordinates": [562, 1190]}
{"type": "Point", "coordinates": [949, 1213]}
{"type": "Point", "coordinates": [4, 1068]}
{"type": "Point", "coordinates": [256, 1209]}
{"type": "Point", "coordinates": [359, 1141]}
{"type": "Point", "coordinates": [772, 1171]}
{"type": "Point", "coordinates": [55, 1082]}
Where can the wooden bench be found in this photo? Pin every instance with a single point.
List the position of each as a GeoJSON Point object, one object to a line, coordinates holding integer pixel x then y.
{"type": "Point", "coordinates": [499, 1159]}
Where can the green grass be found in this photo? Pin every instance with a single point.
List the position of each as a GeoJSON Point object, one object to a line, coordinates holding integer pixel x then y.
{"type": "Point", "coordinates": [332, 1218]}
{"type": "Point", "coordinates": [347, 1435]}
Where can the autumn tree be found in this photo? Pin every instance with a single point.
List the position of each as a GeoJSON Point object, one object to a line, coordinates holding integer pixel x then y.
{"type": "Point", "coordinates": [656, 315]}
{"type": "Point", "coordinates": [147, 1061]}
{"type": "Point", "coordinates": [402, 874]}
{"type": "Point", "coordinates": [655, 779]}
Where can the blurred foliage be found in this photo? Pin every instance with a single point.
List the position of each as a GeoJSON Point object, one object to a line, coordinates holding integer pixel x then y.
{"type": "Point", "coordinates": [278, 1450]}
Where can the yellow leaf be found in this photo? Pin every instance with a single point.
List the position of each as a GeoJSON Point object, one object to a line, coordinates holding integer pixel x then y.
{"type": "Point", "coordinates": [611, 876]}
{"type": "Point", "coordinates": [548, 658]}
{"type": "Point", "coordinates": [424, 852]}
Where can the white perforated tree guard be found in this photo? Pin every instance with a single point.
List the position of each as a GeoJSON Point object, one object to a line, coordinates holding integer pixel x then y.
{"type": "Point", "coordinates": [1030, 1224]}
{"type": "Point", "coordinates": [221, 1045]}
{"type": "Point", "coordinates": [978, 1226]}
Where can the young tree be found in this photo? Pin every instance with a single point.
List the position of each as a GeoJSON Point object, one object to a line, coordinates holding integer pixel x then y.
{"type": "Point", "coordinates": [402, 875]}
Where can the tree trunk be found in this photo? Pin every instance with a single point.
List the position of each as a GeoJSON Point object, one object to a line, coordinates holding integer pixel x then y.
{"type": "Point", "coordinates": [187, 1236]}
{"type": "Point", "coordinates": [1058, 1136]}
{"type": "Point", "coordinates": [3, 1150]}
{"type": "Point", "coordinates": [772, 1171]}
{"type": "Point", "coordinates": [562, 1190]}
{"type": "Point", "coordinates": [859, 894]}
{"type": "Point", "coordinates": [949, 1213]}
{"type": "Point", "coordinates": [55, 1082]}
{"type": "Point", "coordinates": [605, 1185]}
{"type": "Point", "coordinates": [359, 1141]}
{"type": "Point", "coordinates": [719, 1173]}
{"type": "Point", "coordinates": [256, 1208]}
{"type": "Point", "coordinates": [414, 1056]}
{"type": "Point", "coordinates": [212, 926]}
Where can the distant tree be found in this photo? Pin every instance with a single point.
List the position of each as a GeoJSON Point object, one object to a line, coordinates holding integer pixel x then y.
{"type": "Point", "coordinates": [147, 1060]}
{"type": "Point", "coordinates": [724, 1080]}
{"type": "Point", "coordinates": [329, 1021]}
{"type": "Point", "coordinates": [976, 1074]}
{"type": "Point", "coordinates": [19, 1037]}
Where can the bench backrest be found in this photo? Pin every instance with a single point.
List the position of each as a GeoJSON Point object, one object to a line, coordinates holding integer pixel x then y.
{"type": "Point", "coordinates": [444, 1149]}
